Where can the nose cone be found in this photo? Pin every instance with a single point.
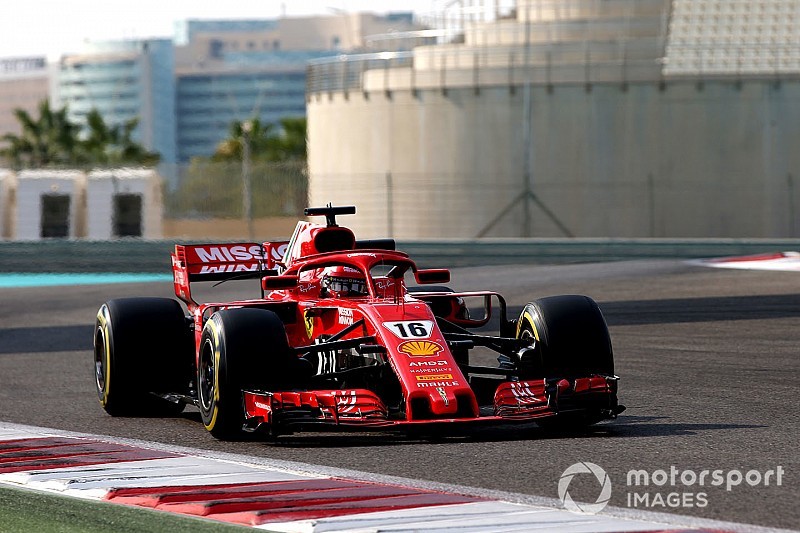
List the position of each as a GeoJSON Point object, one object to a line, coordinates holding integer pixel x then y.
{"type": "Point", "coordinates": [442, 399]}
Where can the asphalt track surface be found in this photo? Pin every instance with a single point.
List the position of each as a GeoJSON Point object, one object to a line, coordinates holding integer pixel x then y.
{"type": "Point", "coordinates": [709, 361]}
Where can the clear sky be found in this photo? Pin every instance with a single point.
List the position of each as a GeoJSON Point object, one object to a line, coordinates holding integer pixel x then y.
{"type": "Point", "coordinates": [53, 27]}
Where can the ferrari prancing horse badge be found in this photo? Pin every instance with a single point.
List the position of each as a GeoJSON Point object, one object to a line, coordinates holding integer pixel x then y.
{"type": "Point", "coordinates": [309, 321]}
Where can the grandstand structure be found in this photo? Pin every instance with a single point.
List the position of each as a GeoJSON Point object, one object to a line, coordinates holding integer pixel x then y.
{"type": "Point", "coordinates": [553, 118]}
{"type": "Point", "coordinates": [733, 37]}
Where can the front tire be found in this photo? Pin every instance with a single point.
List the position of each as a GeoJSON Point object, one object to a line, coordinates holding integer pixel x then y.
{"type": "Point", "coordinates": [572, 340]}
{"type": "Point", "coordinates": [239, 348]}
{"type": "Point", "coordinates": [141, 346]}
{"type": "Point", "coordinates": [571, 335]}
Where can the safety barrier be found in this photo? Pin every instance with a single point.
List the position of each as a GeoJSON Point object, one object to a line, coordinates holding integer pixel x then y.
{"type": "Point", "coordinates": [153, 256]}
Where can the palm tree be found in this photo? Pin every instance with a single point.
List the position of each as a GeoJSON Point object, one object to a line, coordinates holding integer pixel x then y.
{"type": "Point", "coordinates": [259, 136]}
{"type": "Point", "coordinates": [275, 166]}
{"type": "Point", "coordinates": [49, 139]}
{"type": "Point", "coordinates": [114, 145]}
{"type": "Point", "coordinates": [287, 144]}
{"type": "Point", "coordinates": [290, 143]}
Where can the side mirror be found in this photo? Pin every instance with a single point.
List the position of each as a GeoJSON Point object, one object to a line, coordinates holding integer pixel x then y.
{"type": "Point", "coordinates": [272, 283]}
{"type": "Point", "coordinates": [432, 275]}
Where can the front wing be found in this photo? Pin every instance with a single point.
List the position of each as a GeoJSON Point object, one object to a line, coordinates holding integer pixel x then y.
{"type": "Point", "coordinates": [514, 401]}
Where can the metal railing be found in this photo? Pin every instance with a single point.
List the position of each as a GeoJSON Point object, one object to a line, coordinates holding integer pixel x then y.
{"type": "Point", "coordinates": [564, 41]}
{"type": "Point", "coordinates": [346, 72]}
{"type": "Point", "coordinates": [545, 41]}
{"type": "Point", "coordinates": [407, 40]}
{"type": "Point", "coordinates": [578, 63]}
{"type": "Point", "coordinates": [585, 63]}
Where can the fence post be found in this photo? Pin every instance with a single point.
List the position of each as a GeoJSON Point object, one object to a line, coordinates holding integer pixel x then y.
{"type": "Point", "coordinates": [475, 74]}
{"type": "Point", "coordinates": [247, 195]}
{"type": "Point", "coordinates": [386, 90]}
{"type": "Point", "coordinates": [790, 185]}
{"type": "Point", "coordinates": [443, 75]}
{"type": "Point", "coordinates": [652, 201]}
{"type": "Point", "coordinates": [345, 87]}
{"type": "Point", "coordinates": [389, 205]}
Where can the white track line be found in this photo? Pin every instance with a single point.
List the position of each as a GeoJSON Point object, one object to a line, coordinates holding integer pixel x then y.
{"type": "Point", "coordinates": [780, 261]}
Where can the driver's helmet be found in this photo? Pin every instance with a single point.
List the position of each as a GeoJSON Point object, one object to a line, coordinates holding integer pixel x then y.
{"type": "Point", "coordinates": [342, 281]}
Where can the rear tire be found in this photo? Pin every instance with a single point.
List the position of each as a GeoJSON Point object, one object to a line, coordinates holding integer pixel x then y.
{"type": "Point", "coordinates": [142, 346]}
{"type": "Point", "coordinates": [240, 348]}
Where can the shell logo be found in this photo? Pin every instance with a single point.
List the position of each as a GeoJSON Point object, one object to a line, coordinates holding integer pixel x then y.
{"type": "Point", "coordinates": [420, 348]}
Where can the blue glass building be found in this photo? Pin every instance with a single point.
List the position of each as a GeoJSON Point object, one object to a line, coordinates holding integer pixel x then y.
{"type": "Point", "coordinates": [124, 80]}
{"type": "Point", "coordinates": [187, 92]}
{"type": "Point", "coordinates": [186, 30]}
{"type": "Point", "coordinates": [267, 85]}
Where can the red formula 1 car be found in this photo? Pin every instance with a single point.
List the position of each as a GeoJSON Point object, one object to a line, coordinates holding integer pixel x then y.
{"type": "Point", "coordinates": [339, 338]}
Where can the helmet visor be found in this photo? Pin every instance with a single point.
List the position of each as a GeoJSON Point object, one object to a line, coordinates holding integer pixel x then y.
{"type": "Point", "coordinates": [348, 286]}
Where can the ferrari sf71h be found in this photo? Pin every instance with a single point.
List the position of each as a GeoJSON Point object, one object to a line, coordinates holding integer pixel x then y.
{"type": "Point", "coordinates": [347, 334]}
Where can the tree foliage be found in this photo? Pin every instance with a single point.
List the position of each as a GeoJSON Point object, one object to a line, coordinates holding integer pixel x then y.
{"type": "Point", "coordinates": [267, 142]}
{"type": "Point", "coordinates": [214, 189]}
{"type": "Point", "coordinates": [259, 136]}
{"type": "Point", "coordinates": [52, 140]}
{"type": "Point", "coordinates": [213, 186]}
{"type": "Point", "coordinates": [49, 139]}
{"type": "Point", "coordinates": [114, 145]}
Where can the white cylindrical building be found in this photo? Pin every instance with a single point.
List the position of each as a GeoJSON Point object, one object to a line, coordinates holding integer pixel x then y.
{"type": "Point", "coordinates": [586, 118]}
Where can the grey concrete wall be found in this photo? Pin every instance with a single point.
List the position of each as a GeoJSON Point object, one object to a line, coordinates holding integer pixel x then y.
{"type": "Point", "coordinates": [686, 159]}
{"type": "Point", "coordinates": [137, 256]}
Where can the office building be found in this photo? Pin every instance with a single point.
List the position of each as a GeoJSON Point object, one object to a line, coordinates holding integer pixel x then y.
{"type": "Point", "coordinates": [124, 80]}
{"type": "Point", "coordinates": [231, 70]}
{"type": "Point", "coordinates": [24, 84]}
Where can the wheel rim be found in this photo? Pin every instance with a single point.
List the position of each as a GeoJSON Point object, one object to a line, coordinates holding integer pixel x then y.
{"type": "Point", "coordinates": [530, 364]}
{"type": "Point", "coordinates": [206, 377]}
{"type": "Point", "coordinates": [527, 334]}
{"type": "Point", "coordinates": [99, 361]}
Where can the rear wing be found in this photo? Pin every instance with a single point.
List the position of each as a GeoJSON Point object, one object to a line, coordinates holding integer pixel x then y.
{"type": "Point", "coordinates": [221, 262]}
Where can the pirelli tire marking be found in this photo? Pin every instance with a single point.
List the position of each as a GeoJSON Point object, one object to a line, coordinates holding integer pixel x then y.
{"type": "Point", "coordinates": [214, 405]}
{"type": "Point", "coordinates": [103, 320]}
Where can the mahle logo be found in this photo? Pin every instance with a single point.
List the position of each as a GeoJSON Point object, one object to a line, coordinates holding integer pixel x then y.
{"type": "Point", "coordinates": [584, 468]}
